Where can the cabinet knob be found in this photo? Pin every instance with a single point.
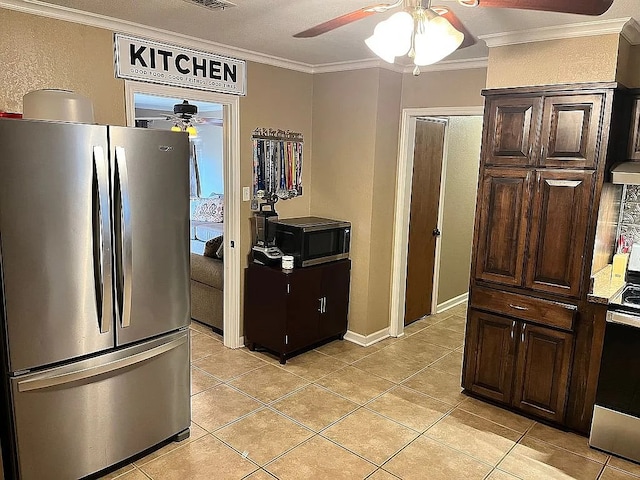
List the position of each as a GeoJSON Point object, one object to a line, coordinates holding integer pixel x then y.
{"type": "Point", "coordinates": [436, 232]}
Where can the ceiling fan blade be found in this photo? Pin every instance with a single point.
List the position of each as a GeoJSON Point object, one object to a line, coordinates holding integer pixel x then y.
{"type": "Point", "coordinates": [457, 24]}
{"type": "Point", "coordinates": [335, 23]}
{"type": "Point", "coordinates": [582, 7]}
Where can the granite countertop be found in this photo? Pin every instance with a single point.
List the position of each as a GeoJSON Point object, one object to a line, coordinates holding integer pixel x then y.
{"type": "Point", "coordinates": [604, 287]}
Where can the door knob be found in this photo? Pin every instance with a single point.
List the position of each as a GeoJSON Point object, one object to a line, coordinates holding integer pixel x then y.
{"type": "Point", "coordinates": [436, 232]}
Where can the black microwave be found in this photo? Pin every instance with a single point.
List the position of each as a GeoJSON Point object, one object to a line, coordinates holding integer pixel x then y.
{"type": "Point", "coordinates": [312, 240]}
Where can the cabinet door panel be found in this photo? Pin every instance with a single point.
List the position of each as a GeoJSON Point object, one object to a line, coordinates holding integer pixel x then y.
{"type": "Point", "coordinates": [542, 371]}
{"type": "Point", "coordinates": [510, 133]}
{"type": "Point", "coordinates": [489, 351]}
{"type": "Point", "coordinates": [503, 209]}
{"type": "Point", "coordinates": [570, 129]}
{"type": "Point", "coordinates": [303, 308]}
{"type": "Point", "coordinates": [634, 134]}
{"type": "Point", "coordinates": [335, 290]}
{"type": "Point", "coordinates": [558, 231]}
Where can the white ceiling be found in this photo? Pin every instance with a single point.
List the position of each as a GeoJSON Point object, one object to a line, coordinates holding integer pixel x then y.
{"type": "Point", "coordinates": [267, 26]}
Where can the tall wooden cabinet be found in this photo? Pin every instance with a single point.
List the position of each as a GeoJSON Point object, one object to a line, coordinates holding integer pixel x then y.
{"type": "Point", "coordinates": [544, 157]}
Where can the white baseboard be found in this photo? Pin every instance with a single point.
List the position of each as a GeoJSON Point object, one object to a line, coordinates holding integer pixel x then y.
{"type": "Point", "coordinates": [366, 340]}
{"type": "Point", "coordinates": [241, 342]}
{"type": "Point", "coordinates": [452, 302]}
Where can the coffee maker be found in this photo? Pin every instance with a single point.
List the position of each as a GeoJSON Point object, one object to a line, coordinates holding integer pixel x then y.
{"type": "Point", "coordinates": [264, 250]}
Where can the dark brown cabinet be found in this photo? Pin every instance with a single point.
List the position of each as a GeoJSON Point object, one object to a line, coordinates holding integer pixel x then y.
{"type": "Point", "coordinates": [558, 230]}
{"type": "Point", "coordinates": [570, 130]}
{"type": "Point", "coordinates": [557, 131]}
{"type": "Point", "coordinates": [544, 211]}
{"type": "Point", "coordinates": [542, 371]}
{"type": "Point", "coordinates": [518, 363]}
{"type": "Point", "coordinates": [634, 133]}
{"type": "Point", "coordinates": [490, 359]}
{"type": "Point", "coordinates": [503, 208]}
{"type": "Point", "coordinates": [513, 133]}
{"type": "Point", "coordinates": [289, 311]}
{"type": "Point", "coordinates": [545, 154]}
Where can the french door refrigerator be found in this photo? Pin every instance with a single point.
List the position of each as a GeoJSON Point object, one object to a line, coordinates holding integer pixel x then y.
{"type": "Point", "coordinates": [94, 298]}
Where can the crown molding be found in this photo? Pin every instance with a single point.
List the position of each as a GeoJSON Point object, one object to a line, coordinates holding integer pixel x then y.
{"type": "Point", "coordinates": [57, 12]}
{"type": "Point", "coordinates": [464, 64]}
{"type": "Point", "coordinates": [36, 7]}
{"type": "Point", "coordinates": [356, 65]}
{"type": "Point", "coordinates": [583, 29]}
{"type": "Point", "coordinates": [631, 32]}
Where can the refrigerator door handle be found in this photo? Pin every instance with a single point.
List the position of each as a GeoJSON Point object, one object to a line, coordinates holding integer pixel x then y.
{"type": "Point", "coordinates": [102, 249]}
{"type": "Point", "coordinates": [125, 236]}
{"type": "Point", "coordinates": [66, 378]}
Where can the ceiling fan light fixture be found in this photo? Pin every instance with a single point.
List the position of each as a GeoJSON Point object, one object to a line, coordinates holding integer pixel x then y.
{"type": "Point", "coordinates": [423, 34]}
{"type": "Point", "coordinates": [191, 130]}
{"type": "Point", "coordinates": [176, 128]}
{"type": "Point", "coordinates": [435, 39]}
{"type": "Point", "coordinates": [392, 37]}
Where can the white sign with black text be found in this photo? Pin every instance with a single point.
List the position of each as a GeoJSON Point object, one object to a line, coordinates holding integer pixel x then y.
{"type": "Point", "coordinates": [149, 61]}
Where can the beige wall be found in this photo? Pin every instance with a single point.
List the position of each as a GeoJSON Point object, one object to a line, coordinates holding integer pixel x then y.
{"type": "Point", "coordinates": [356, 119]}
{"type": "Point", "coordinates": [383, 204]}
{"type": "Point", "coordinates": [38, 52]}
{"type": "Point", "coordinates": [344, 144]}
{"type": "Point", "coordinates": [571, 60]}
{"type": "Point", "coordinates": [276, 98]}
{"type": "Point", "coordinates": [628, 71]}
{"type": "Point", "coordinates": [451, 88]}
{"type": "Point", "coordinates": [464, 136]}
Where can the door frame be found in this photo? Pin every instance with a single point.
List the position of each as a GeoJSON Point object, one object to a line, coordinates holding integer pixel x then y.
{"type": "Point", "coordinates": [403, 204]}
{"type": "Point", "coordinates": [232, 190]}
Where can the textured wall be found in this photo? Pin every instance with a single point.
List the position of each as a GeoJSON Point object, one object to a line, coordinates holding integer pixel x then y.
{"type": "Point", "coordinates": [464, 136]}
{"type": "Point", "coordinates": [383, 205]}
{"type": "Point", "coordinates": [38, 52]}
{"type": "Point", "coordinates": [344, 129]}
{"type": "Point", "coordinates": [451, 88]}
{"type": "Point", "coordinates": [571, 60]}
{"type": "Point", "coordinates": [628, 72]}
{"type": "Point", "coordinates": [280, 99]}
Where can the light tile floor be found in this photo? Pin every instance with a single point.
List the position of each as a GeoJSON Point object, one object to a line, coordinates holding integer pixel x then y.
{"type": "Point", "coordinates": [341, 411]}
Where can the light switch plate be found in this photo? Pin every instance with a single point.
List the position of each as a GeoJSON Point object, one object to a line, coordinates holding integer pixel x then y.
{"type": "Point", "coordinates": [245, 194]}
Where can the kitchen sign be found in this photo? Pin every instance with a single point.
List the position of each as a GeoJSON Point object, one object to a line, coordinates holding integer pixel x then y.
{"type": "Point", "coordinates": [155, 62]}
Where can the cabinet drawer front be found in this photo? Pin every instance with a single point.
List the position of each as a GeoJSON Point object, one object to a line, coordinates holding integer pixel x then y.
{"type": "Point", "coordinates": [510, 131]}
{"type": "Point", "coordinates": [545, 312]}
{"type": "Point", "coordinates": [561, 208]}
{"type": "Point", "coordinates": [501, 229]}
{"type": "Point", "coordinates": [570, 129]}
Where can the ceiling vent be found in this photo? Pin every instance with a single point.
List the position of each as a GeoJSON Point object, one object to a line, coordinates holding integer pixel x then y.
{"type": "Point", "coordinates": [212, 4]}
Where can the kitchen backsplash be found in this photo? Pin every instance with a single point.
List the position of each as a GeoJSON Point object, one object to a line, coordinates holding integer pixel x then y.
{"type": "Point", "coordinates": [630, 221]}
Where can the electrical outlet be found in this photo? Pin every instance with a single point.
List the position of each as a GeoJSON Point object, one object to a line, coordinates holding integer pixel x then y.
{"type": "Point", "coordinates": [245, 194]}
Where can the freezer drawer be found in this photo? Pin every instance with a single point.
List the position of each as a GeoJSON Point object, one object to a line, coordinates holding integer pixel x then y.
{"type": "Point", "coordinates": [76, 420]}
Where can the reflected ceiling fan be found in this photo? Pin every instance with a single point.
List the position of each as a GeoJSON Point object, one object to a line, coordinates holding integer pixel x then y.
{"type": "Point", "coordinates": [185, 117]}
{"type": "Point", "coordinates": [430, 33]}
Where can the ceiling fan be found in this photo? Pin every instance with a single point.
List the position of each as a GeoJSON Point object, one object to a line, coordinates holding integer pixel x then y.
{"type": "Point", "coordinates": [185, 115]}
{"type": "Point", "coordinates": [428, 24]}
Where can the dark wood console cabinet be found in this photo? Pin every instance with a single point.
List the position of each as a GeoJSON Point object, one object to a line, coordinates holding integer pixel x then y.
{"type": "Point", "coordinates": [286, 312]}
{"type": "Point", "coordinates": [531, 340]}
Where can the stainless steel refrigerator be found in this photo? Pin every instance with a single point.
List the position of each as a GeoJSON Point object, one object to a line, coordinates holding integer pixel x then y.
{"type": "Point", "coordinates": [94, 299]}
